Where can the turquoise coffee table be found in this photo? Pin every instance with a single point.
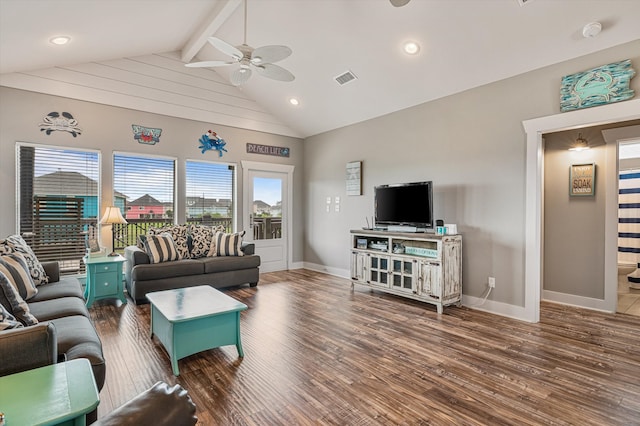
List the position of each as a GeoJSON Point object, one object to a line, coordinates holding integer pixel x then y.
{"type": "Point", "coordinates": [194, 319]}
{"type": "Point", "coordinates": [58, 394]}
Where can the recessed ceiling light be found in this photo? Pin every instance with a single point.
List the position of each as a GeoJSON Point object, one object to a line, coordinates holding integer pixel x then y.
{"type": "Point", "coordinates": [411, 48]}
{"type": "Point", "coordinates": [294, 101]}
{"type": "Point", "coordinates": [60, 40]}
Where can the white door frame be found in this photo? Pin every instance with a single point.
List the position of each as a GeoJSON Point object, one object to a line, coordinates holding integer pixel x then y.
{"type": "Point", "coordinates": [534, 213]}
{"type": "Point", "coordinates": [278, 168]}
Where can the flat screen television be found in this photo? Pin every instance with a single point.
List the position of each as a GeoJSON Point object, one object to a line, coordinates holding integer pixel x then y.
{"type": "Point", "coordinates": [407, 205]}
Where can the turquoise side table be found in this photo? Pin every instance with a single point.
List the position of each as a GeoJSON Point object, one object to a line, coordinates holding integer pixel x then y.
{"type": "Point", "coordinates": [104, 279]}
{"type": "Point", "coordinates": [58, 394]}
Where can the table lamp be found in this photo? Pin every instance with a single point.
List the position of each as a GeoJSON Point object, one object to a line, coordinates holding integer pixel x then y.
{"type": "Point", "coordinates": [112, 216]}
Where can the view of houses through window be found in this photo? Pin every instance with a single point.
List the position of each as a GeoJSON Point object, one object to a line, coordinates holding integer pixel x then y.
{"type": "Point", "coordinates": [58, 205]}
{"type": "Point", "coordinates": [59, 192]}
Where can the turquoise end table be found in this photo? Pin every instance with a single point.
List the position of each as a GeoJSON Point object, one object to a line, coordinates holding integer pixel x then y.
{"type": "Point", "coordinates": [104, 279]}
{"type": "Point", "coordinates": [58, 394]}
{"type": "Point", "coordinates": [193, 319]}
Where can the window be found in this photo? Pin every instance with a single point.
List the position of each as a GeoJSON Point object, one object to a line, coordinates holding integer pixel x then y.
{"type": "Point", "coordinates": [210, 189]}
{"type": "Point", "coordinates": [144, 191]}
{"type": "Point", "coordinates": [58, 207]}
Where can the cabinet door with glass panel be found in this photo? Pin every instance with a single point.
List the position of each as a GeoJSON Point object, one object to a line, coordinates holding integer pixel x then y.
{"type": "Point", "coordinates": [403, 274]}
{"type": "Point", "coordinates": [378, 267]}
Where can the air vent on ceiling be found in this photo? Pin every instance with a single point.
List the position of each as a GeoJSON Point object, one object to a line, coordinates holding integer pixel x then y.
{"type": "Point", "coordinates": [523, 2]}
{"type": "Point", "coordinates": [345, 77]}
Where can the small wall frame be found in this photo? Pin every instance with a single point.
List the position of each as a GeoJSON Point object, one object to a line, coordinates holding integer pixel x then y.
{"type": "Point", "coordinates": [582, 180]}
{"type": "Point", "coordinates": [354, 178]}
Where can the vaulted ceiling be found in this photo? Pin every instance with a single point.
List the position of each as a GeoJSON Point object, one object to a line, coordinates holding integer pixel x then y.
{"type": "Point", "coordinates": [131, 53]}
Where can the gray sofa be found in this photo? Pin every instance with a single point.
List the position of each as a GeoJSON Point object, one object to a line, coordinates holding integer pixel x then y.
{"type": "Point", "coordinates": [64, 332]}
{"type": "Point", "coordinates": [143, 277]}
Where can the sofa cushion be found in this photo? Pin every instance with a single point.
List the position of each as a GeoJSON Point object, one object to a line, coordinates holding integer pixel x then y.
{"type": "Point", "coordinates": [11, 300]}
{"type": "Point", "coordinates": [179, 233]}
{"type": "Point", "coordinates": [15, 267]}
{"type": "Point", "coordinates": [65, 287]}
{"type": "Point", "coordinates": [229, 263]}
{"type": "Point", "coordinates": [179, 268]}
{"type": "Point", "coordinates": [8, 321]}
{"type": "Point", "coordinates": [161, 248]}
{"type": "Point", "coordinates": [77, 338]}
{"type": "Point", "coordinates": [229, 244]}
{"type": "Point", "coordinates": [58, 308]}
{"type": "Point", "coordinates": [19, 245]}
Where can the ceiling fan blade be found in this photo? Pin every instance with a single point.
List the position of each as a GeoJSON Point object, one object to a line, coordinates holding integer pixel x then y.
{"type": "Point", "coordinates": [206, 64]}
{"type": "Point", "coordinates": [240, 76]}
{"type": "Point", "coordinates": [275, 72]}
{"type": "Point", "coordinates": [225, 47]}
{"type": "Point", "coordinates": [399, 3]}
{"type": "Point", "coordinates": [269, 54]}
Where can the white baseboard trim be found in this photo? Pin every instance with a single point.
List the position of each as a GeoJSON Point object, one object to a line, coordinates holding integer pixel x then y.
{"type": "Point", "coordinates": [342, 273]}
{"type": "Point", "coordinates": [296, 265]}
{"type": "Point", "coordinates": [577, 301]}
{"type": "Point", "coordinates": [498, 308]}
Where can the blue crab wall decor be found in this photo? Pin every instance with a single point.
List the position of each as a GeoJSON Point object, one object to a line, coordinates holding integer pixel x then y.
{"type": "Point", "coordinates": [60, 121]}
{"type": "Point", "coordinates": [211, 141]}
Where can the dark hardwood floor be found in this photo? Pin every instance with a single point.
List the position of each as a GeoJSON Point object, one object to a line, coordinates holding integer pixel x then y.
{"type": "Point", "coordinates": [318, 353]}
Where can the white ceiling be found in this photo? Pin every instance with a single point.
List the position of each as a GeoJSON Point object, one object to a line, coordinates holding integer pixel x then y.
{"type": "Point", "coordinates": [130, 52]}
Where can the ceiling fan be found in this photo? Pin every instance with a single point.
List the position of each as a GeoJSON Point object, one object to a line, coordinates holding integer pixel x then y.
{"type": "Point", "coordinates": [261, 59]}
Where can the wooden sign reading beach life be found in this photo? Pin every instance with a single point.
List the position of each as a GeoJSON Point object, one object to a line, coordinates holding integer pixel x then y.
{"type": "Point", "coordinates": [278, 151]}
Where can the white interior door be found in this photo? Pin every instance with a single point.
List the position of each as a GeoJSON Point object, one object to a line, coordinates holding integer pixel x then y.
{"type": "Point", "coordinates": [267, 212]}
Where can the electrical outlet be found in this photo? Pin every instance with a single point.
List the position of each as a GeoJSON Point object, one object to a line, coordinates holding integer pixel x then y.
{"type": "Point", "coordinates": [492, 282]}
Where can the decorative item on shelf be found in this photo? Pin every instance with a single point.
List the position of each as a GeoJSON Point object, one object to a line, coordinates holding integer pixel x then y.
{"type": "Point", "coordinates": [112, 216]}
{"type": "Point", "coordinates": [94, 249]}
{"type": "Point", "coordinates": [361, 243]}
{"type": "Point", "coordinates": [451, 228]}
{"type": "Point", "coordinates": [581, 144]}
{"type": "Point", "coordinates": [60, 121]}
{"type": "Point", "coordinates": [146, 135]}
{"type": "Point", "coordinates": [398, 248]}
{"type": "Point", "coordinates": [354, 178]}
{"type": "Point", "coordinates": [598, 86]}
{"type": "Point", "coordinates": [441, 230]}
{"type": "Point", "coordinates": [210, 141]}
{"type": "Point", "coordinates": [582, 179]}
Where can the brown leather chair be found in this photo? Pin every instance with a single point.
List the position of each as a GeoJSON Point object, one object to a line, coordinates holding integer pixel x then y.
{"type": "Point", "coordinates": [159, 406]}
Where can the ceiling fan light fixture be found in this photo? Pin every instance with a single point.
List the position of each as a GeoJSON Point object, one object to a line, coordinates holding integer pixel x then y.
{"type": "Point", "coordinates": [411, 48]}
{"type": "Point", "coordinates": [60, 40]}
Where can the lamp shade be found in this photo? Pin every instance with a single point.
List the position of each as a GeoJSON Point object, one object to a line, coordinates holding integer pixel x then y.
{"type": "Point", "coordinates": [112, 215]}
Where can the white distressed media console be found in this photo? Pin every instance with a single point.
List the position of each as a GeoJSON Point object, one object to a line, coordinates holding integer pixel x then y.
{"type": "Point", "coordinates": [425, 267]}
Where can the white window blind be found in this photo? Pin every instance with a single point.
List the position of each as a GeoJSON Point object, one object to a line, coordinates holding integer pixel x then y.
{"type": "Point", "coordinates": [58, 207]}
{"type": "Point", "coordinates": [144, 191]}
{"type": "Point", "coordinates": [210, 193]}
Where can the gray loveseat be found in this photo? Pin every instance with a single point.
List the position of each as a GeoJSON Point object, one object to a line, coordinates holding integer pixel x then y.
{"type": "Point", "coordinates": [143, 277]}
{"type": "Point", "coordinates": [64, 332]}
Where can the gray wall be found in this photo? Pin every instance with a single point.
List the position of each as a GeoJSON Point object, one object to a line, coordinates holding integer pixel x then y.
{"type": "Point", "coordinates": [573, 226]}
{"type": "Point", "coordinates": [472, 145]}
{"type": "Point", "coordinates": [108, 129]}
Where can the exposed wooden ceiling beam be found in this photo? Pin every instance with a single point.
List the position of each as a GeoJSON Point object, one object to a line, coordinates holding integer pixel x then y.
{"type": "Point", "coordinates": [219, 15]}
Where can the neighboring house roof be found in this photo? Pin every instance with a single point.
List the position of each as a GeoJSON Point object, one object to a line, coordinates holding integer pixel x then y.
{"type": "Point", "coordinates": [261, 204]}
{"type": "Point", "coordinates": [145, 200]}
{"type": "Point", "coordinates": [201, 202]}
{"type": "Point", "coordinates": [67, 183]}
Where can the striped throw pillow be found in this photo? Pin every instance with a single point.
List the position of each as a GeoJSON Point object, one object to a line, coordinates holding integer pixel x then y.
{"type": "Point", "coordinates": [18, 306]}
{"type": "Point", "coordinates": [15, 267]}
{"type": "Point", "coordinates": [161, 248]}
{"type": "Point", "coordinates": [229, 244]}
{"type": "Point", "coordinates": [8, 321]}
